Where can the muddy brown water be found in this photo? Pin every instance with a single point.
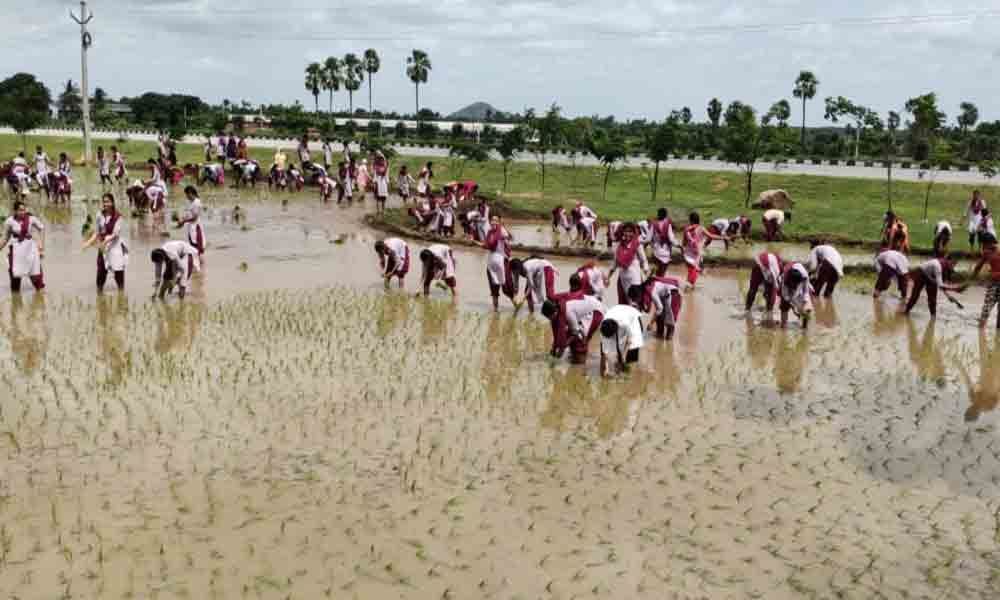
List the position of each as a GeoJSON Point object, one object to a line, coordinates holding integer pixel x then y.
{"type": "Point", "coordinates": [291, 430]}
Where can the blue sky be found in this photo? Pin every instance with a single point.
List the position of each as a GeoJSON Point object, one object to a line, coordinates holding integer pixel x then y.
{"type": "Point", "coordinates": [631, 58]}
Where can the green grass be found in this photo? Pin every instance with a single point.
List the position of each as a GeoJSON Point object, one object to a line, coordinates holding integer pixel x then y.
{"type": "Point", "coordinates": [849, 209]}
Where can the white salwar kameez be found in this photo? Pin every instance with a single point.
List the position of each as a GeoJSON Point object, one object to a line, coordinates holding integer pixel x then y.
{"type": "Point", "coordinates": [24, 259]}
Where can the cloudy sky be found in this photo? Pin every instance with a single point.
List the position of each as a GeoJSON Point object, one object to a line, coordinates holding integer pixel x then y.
{"type": "Point", "coordinates": [633, 58]}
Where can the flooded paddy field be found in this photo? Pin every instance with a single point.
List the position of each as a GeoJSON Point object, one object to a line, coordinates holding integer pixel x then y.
{"type": "Point", "coordinates": [292, 430]}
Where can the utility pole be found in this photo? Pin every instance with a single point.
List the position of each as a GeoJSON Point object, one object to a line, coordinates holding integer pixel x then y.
{"type": "Point", "coordinates": [85, 41]}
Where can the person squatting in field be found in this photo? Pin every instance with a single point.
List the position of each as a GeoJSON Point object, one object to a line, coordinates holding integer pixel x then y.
{"type": "Point", "coordinates": [575, 318]}
{"type": "Point", "coordinates": [394, 259]}
{"type": "Point", "coordinates": [826, 266]}
{"type": "Point", "coordinates": [622, 335]}
{"type": "Point", "coordinates": [173, 265]}
{"type": "Point", "coordinates": [931, 275]}
{"type": "Point", "coordinates": [438, 265]}
{"type": "Point", "coordinates": [539, 279]}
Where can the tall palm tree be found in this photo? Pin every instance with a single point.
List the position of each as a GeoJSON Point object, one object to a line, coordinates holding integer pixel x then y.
{"type": "Point", "coordinates": [372, 65]}
{"type": "Point", "coordinates": [332, 77]}
{"type": "Point", "coordinates": [314, 81]}
{"type": "Point", "coordinates": [418, 66]}
{"type": "Point", "coordinates": [354, 74]}
{"type": "Point", "coordinates": [805, 88]}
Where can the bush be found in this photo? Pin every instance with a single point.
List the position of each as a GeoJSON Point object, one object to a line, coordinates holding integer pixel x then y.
{"type": "Point", "coordinates": [375, 128]}
{"type": "Point", "coordinates": [905, 164]}
{"type": "Point", "coordinates": [964, 167]}
{"type": "Point", "coordinates": [834, 162]}
{"type": "Point", "coordinates": [707, 157]}
{"type": "Point", "coordinates": [800, 161]}
{"type": "Point", "coordinates": [850, 162]}
{"type": "Point", "coordinates": [921, 150]}
{"type": "Point", "coordinates": [399, 130]}
{"type": "Point", "coordinates": [426, 131]}
{"type": "Point", "coordinates": [817, 161]}
{"type": "Point", "coordinates": [869, 163]}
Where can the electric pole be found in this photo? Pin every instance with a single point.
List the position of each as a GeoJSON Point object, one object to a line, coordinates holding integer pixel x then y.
{"type": "Point", "coordinates": [85, 41]}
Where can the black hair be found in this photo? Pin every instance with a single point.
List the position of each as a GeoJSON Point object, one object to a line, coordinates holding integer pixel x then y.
{"type": "Point", "coordinates": [788, 216]}
{"type": "Point", "coordinates": [426, 255]}
{"type": "Point", "coordinates": [575, 283]}
{"type": "Point", "coordinates": [191, 190]}
{"type": "Point", "coordinates": [661, 214]}
{"type": "Point", "coordinates": [609, 327]}
{"type": "Point", "coordinates": [549, 308]}
{"type": "Point", "coordinates": [517, 266]}
{"type": "Point", "coordinates": [18, 204]}
{"type": "Point", "coordinates": [814, 242]}
{"type": "Point", "coordinates": [158, 255]}
{"type": "Point", "coordinates": [151, 161]}
{"type": "Point", "coordinates": [793, 278]}
{"type": "Point", "coordinates": [694, 218]}
{"type": "Point", "coordinates": [380, 246]}
{"type": "Point", "coordinates": [635, 293]}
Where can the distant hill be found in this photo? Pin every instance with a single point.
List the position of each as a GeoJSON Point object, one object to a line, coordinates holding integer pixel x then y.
{"type": "Point", "coordinates": [473, 112]}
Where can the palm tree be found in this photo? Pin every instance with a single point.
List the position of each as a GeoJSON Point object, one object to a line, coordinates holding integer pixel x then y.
{"type": "Point", "coordinates": [331, 78]}
{"type": "Point", "coordinates": [966, 120]}
{"type": "Point", "coordinates": [372, 65]}
{"type": "Point", "coordinates": [805, 88]}
{"type": "Point", "coordinates": [418, 66]}
{"type": "Point", "coordinates": [314, 80]}
{"type": "Point", "coordinates": [354, 74]}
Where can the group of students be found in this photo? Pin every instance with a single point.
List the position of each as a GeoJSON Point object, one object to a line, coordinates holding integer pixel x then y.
{"type": "Point", "coordinates": [175, 261]}
{"type": "Point", "coordinates": [892, 262]}
{"type": "Point", "coordinates": [56, 180]}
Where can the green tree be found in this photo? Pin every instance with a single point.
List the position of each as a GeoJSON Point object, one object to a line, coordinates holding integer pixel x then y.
{"type": "Point", "coordinates": [100, 100]}
{"type": "Point", "coordinates": [968, 118]}
{"type": "Point", "coordinates": [511, 143]}
{"type": "Point", "coordinates": [575, 134]}
{"type": "Point", "coordinates": [69, 102]}
{"type": "Point", "coordinates": [546, 133]}
{"type": "Point", "coordinates": [806, 85]}
{"type": "Point", "coordinates": [461, 152]}
{"type": "Point", "coordinates": [659, 144]}
{"type": "Point", "coordinates": [354, 74]}
{"type": "Point", "coordinates": [714, 111]}
{"type": "Point", "coordinates": [418, 67]}
{"type": "Point", "coordinates": [926, 124]}
{"type": "Point", "coordinates": [889, 146]}
{"type": "Point", "coordinates": [686, 115]}
{"type": "Point", "coordinates": [372, 65]}
{"type": "Point", "coordinates": [863, 117]}
{"type": "Point", "coordinates": [781, 111]}
{"type": "Point", "coordinates": [314, 81]}
{"type": "Point", "coordinates": [609, 149]}
{"type": "Point", "coordinates": [745, 140]}
{"type": "Point", "coordinates": [331, 77]}
{"type": "Point", "coordinates": [24, 104]}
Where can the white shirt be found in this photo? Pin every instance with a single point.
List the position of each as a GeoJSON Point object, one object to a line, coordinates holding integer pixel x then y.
{"type": "Point", "coordinates": [580, 315]}
{"type": "Point", "coordinates": [774, 215]}
{"type": "Point", "coordinates": [630, 334]}
{"type": "Point", "coordinates": [892, 259]}
{"type": "Point", "coordinates": [723, 224]}
{"type": "Point", "coordinates": [828, 254]}
{"type": "Point", "coordinates": [932, 270]}
{"type": "Point", "coordinates": [42, 163]}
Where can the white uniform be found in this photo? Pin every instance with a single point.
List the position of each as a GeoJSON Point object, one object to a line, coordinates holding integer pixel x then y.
{"type": "Point", "coordinates": [774, 215]}
{"type": "Point", "coordinates": [933, 271]}
{"type": "Point", "coordinates": [942, 226]}
{"type": "Point", "coordinates": [113, 246]}
{"type": "Point", "coordinates": [403, 184]}
{"type": "Point", "coordinates": [722, 225]}
{"type": "Point", "coordinates": [632, 273]}
{"type": "Point", "coordinates": [424, 182]}
{"type": "Point", "coordinates": [400, 254]}
{"type": "Point", "coordinates": [891, 259]}
{"type": "Point", "coordinates": [630, 331]}
{"type": "Point", "coordinates": [496, 263]}
{"type": "Point", "coordinates": [974, 216]}
{"type": "Point", "coordinates": [595, 278]}
{"type": "Point", "coordinates": [185, 260]}
{"type": "Point", "coordinates": [580, 315]}
{"type": "Point", "coordinates": [24, 259]}
{"type": "Point", "coordinates": [828, 254]}
{"type": "Point", "coordinates": [645, 232]}
{"type": "Point", "coordinates": [193, 228]}
{"type": "Point", "coordinates": [443, 253]}
{"type": "Point", "coordinates": [663, 241]}
{"type": "Point", "coordinates": [770, 267]}
{"type": "Point", "coordinates": [42, 169]}
{"type": "Point", "coordinates": [327, 154]}
{"type": "Point", "coordinates": [799, 297]}
{"type": "Point", "coordinates": [662, 295]}
{"type": "Point", "coordinates": [535, 279]}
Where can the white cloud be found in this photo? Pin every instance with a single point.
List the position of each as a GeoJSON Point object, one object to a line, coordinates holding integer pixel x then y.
{"type": "Point", "coordinates": [630, 58]}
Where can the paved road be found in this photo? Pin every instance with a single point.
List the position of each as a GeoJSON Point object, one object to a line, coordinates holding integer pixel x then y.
{"type": "Point", "coordinates": [825, 170]}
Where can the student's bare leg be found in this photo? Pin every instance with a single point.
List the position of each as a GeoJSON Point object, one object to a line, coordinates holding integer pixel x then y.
{"type": "Point", "coordinates": [918, 287]}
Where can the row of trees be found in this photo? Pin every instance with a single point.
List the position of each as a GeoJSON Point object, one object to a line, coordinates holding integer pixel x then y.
{"type": "Point", "coordinates": [350, 70]}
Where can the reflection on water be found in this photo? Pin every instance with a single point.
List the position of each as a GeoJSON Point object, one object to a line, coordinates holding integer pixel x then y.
{"type": "Point", "coordinates": [983, 396]}
{"type": "Point", "coordinates": [272, 437]}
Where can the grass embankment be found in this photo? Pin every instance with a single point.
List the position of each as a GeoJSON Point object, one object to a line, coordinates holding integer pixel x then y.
{"type": "Point", "coordinates": [843, 210]}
